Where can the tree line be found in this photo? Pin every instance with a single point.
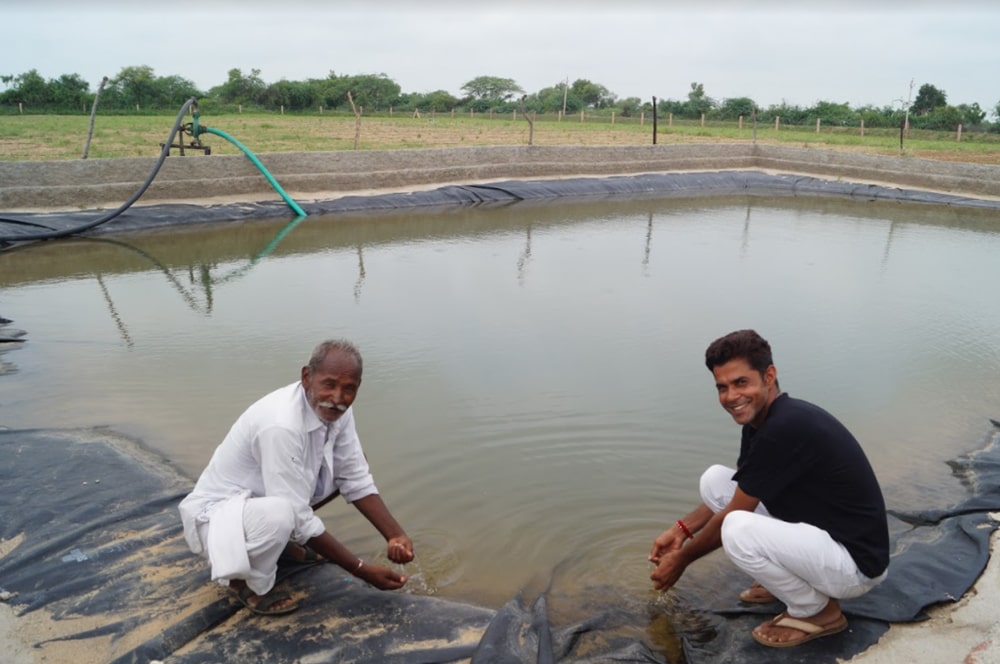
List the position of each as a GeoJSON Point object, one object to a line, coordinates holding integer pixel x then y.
{"type": "Point", "coordinates": [138, 88]}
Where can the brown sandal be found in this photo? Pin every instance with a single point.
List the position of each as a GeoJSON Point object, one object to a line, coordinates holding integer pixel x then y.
{"type": "Point", "coordinates": [809, 630]}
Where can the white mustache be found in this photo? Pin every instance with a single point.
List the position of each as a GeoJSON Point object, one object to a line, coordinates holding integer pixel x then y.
{"type": "Point", "coordinates": [329, 404]}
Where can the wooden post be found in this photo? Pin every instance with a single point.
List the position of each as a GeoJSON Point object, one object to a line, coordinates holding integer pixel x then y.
{"type": "Point", "coordinates": [777, 121]}
{"type": "Point", "coordinates": [282, 109]}
{"type": "Point", "coordinates": [959, 137]}
{"type": "Point", "coordinates": [612, 117]}
{"type": "Point", "coordinates": [321, 109]}
{"type": "Point", "coordinates": [559, 115]}
{"type": "Point", "coordinates": [20, 107]}
{"type": "Point", "coordinates": [642, 118]}
{"type": "Point", "coordinates": [581, 115]}
{"type": "Point", "coordinates": [357, 120]}
{"type": "Point", "coordinates": [670, 119]}
{"type": "Point", "coordinates": [862, 126]}
{"type": "Point", "coordinates": [654, 120]}
{"type": "Point", "coordinates": [239, 108]}
{"type": "Point", "coordinates": [514, 115]}
{"type": "Point", "coordinates": [93, 115]}
{"type": "Point", "coordinates": [817, 125]}
{"type": "Point", "coordinates": [452, 114]}
{"type": "Point", "coordinates": [472, 112]}
{"type": "Point", "coordinates": [702, 119]}
{"type": "Point", "coordinates": [741, 122]}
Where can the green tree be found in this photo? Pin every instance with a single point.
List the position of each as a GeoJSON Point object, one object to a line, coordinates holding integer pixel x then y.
{"type": "Point", "coordinates": [135, 85]}
{"type": "Point", "coordinates": [69, 91]}
{"type": "Point", "coordinates": [492, 89]}
{"type": "Point", "coordinates": [734, 107]}
{"type": "Point", "coordinates": [928, 98]}
{"type": "Point", "coordinates": [240, 88]}
{"type": "Point", "coordinates": [830, 113]}
{"type": "Point", "coordinates": [550, 99]}
{"type": "Point", "coordinates": [29, 89]}
{"type": "Point", "coordinates": [698, 102]}
{"type": "Point", "coordinates": [630, 106]}
{"type": "Point", "coordinates": [593, 95]}
{"type": "Point", "coordinates": [439, 101]}
{"type": "Point", "coordinates": [373, 91]}
{"type": "Point", "coordinates": [972, 115]}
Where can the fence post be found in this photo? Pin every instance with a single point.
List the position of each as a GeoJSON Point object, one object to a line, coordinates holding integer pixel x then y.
{"type": "Point", "coordinates": [581, 115]}
{"type": "Point", "coordinates": [514, 116]}
{"type": "Point", "coordinates": [817, 125]}
{"type": "Point", "coordinates": [612, 117]}
{"type": "Point", "coordinates": [282, 109]}
{"type": "Point", "coordinates": [239, 108]}
{"type": "Point", "coordinates": [702, 119]}
{"type": "Point", "coordinates": [642, 118]}
{"type": "Point", "coordinates": [670, 119]}
{"type": "Point", "coordinates": [862, 126]}
{"type": "Point", "coordinates": [741, 122]}
{"type": "Point", "coordinates": [777, 121]}
{"type": "Point", "coordinates": [321, 109]}
{"type": "Point", "coordinates": [20, 107]}
{"type": "Point", "coordinates": [959, 137]}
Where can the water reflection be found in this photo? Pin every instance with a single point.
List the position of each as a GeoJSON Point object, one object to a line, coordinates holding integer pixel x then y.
{"type": "Point", "coordinates": [535, 407]}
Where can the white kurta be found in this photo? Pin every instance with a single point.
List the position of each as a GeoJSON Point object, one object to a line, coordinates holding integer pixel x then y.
{"type": "Point", "coordinates": [277, 448]}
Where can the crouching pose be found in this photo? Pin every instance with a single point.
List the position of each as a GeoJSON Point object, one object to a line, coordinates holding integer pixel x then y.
{"type": "Point", "coordinates": [802, 513]}
{"type": "Point", "coordinates": [287, 454]}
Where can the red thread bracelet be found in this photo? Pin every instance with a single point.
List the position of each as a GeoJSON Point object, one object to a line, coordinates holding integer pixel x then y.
{"type": "Point", "coordinates": [684, 529]}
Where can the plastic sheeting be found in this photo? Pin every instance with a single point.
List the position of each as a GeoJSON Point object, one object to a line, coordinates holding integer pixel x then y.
{"type": "Point", "coordinates": [659, 185]}
{"type": "Point", "coordinates": [96, 548]}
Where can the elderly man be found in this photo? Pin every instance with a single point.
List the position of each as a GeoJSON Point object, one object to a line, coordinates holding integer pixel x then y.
{"type": "Point", "coordinates": [802, 514]}
{"type": "Point", "coordinates": [290, 452]}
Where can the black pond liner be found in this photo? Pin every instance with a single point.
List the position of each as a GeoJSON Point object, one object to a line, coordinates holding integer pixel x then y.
{"type": "Point", "coordinates": [659, 185]}
{"type": "Point", "coordinates": [98, 535]}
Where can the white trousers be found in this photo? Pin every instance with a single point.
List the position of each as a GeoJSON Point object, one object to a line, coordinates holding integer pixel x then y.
{"type": "Point", "coordinates": [267, 527]}
{"type": "Point", "coordinates": [798, 563]}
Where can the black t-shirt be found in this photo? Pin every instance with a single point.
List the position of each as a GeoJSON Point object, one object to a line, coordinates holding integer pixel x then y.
{"type": "Point", "coordinates": [806, 467]}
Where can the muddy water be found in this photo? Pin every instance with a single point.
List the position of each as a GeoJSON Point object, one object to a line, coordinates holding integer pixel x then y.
{"type": "Point", "coordinates": [534, 401]}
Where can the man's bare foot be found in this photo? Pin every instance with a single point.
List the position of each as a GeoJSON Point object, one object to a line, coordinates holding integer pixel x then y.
{"type": "Point", "coordinates": [268, 604]}
{"type": "Point", "coordinates": [784, 631]}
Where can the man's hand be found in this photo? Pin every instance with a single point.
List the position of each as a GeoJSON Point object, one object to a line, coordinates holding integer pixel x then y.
{"type": "Point", "coordinates": [400, 549]}
{"type": "Point", "coordinates": [382, 578]}
{"type": "Point", "coordinates": [668, 542]}
{"type": "Point", "coordinates": [668, 570]}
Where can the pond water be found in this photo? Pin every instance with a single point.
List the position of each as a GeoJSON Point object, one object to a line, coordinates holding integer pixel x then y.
{"type": "Point", "coordinates": [534, 398]}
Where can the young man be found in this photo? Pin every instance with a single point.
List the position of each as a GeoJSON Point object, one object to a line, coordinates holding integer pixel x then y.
{"type": "Point", "coordinates": [802, 514]}
{"type": "Point", "coordinates": [289, 453]}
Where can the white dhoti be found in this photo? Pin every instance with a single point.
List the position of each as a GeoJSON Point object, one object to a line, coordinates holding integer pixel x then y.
{"type": "Point", "coordinates": [798, 563]}
{"type": "Point", "coordinates": [244, 538]}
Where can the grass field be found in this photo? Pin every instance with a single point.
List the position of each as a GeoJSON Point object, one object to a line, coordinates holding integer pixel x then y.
{"type": "Point", "coordinates": [62, 137]}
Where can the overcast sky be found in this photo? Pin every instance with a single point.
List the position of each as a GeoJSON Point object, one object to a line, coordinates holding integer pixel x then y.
{"type": "Point", "coordinates": [855, 51]}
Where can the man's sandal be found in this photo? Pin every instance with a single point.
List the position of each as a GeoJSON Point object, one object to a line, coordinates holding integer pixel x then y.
{"type": "Point", "coordinates": [265, 604]}
{"type": "Point", "coordinates": [809, 630]}
{"type": "Point", "coordinates": [297, 554]}
{"type": "Point", "coordinates": [757, 594]}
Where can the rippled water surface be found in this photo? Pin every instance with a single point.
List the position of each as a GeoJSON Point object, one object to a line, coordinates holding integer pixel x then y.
{"type": "Point", "coordinates": [534, 399]}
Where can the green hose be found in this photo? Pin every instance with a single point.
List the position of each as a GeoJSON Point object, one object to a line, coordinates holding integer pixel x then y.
{"type": "Point", "coordinates": [256, 162]}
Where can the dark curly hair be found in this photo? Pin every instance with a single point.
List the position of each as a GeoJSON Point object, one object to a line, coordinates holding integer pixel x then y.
{"type": "Point", "coordinates": [740, 345]}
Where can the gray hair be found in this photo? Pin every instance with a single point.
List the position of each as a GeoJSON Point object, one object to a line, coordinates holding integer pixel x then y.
{"type": "Point", "coordinates": [343, 345]}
